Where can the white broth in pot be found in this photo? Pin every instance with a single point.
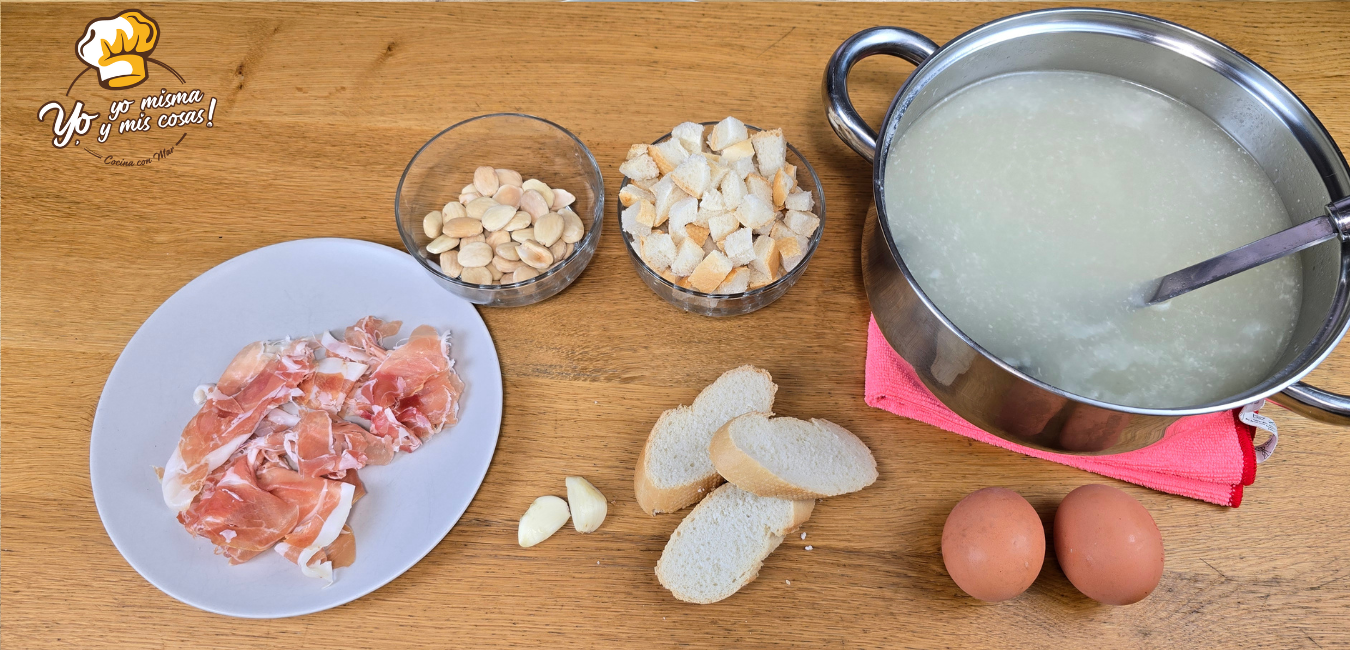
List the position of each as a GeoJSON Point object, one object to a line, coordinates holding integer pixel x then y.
{"type": "Point", "coordinates": [1031, 206]}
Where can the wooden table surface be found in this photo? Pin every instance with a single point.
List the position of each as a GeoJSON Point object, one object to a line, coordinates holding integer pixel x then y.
{"type": "Point", "coordinates": [320, 108]}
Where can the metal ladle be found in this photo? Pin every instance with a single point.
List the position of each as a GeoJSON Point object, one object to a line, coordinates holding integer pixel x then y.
{"type": "Point", "coordinates": [1335, 223]}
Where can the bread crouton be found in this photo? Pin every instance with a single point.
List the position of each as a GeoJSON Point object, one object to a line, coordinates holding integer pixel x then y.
{"type": "Point", "coordinates": [687, 258]}
{"type": "Point", "coordinates": [710, 272]}
{"type": "Point", "coordinates": [740, 247]}
{"type": "Point", "coordinates": [738, 281]}
{"type": "Point", "coordinates": [757, 185]}
{"type": "Point", "coordinates": [721, 225]}
{"type": "Point", "coordinates": [770, 151]}
{"type": "Point", "coordinates": [802, 223]}
{"type": "Point", "coordinates": [692, 176]}
{"type": "Point", "coordinates": [690, 135]}
{"type": "Point", "coordinates": [800, 201]}
{"type": "Point", "coordinates": [639, 168]}
{"type": "Point", "coordinates": [631, 194]}
{"type": "Point", "coordinates": [782, 186]}
{"type": "Point", "coordinates": [766, 256]}
{"type": "Point", "coordinates": [683, 213]}
{"type": "Point", "coordinates": [668, 155]}
{"type": "Point", "coordinates": [727, 132]}
{"type": "Point", "coordinates": [628, 219]}
{"type": "Point", "coordinates": [696, 232]}
{"type": "Point", "coordinates": [754, 212]}
{"type": "Point", "coordinates": [658, 251]}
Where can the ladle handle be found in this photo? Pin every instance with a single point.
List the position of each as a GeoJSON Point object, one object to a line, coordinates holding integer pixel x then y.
{"type": "Point", "coordinates": [844, 119]}
{"type": "Point", "coordinates": [1315, 404]}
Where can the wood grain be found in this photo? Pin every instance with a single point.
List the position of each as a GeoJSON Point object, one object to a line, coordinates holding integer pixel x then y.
{"type": "Point", "coordinates": [320, 108]}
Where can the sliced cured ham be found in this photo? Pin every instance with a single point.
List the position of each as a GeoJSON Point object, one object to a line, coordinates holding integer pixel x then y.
{"type": "Point", "coordinates": [323, 507]}
{"type": "Point", "coordinates": [362, 342]}
{"type": "Point", "coordinates": [238, 515]}
{"type": "Point", "coordinates": [259, 378]}
{"type": "Point", "coordinates": [413, 393]}
{"type": "Point", "coordinates": [333, 380]}
{"type": "Point", "coordinates": [268, 462]}
{"type": "Point", "coordinates": [326, 448]}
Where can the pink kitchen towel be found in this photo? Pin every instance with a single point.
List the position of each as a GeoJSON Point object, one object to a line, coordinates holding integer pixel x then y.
{"type": "Point", "coordinates": [1208, 457]}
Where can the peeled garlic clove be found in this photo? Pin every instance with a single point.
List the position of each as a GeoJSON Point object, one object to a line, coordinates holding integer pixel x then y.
{"type": "Point", "coordinates": [561, 199]}
{"type": "Point", "coordinates": [573, 229]}
{"type": "Point", "coordinates": [548, 228]}
{"type": "Point", "coordinates": [588, 505]}
{"type": "Point", "coordinates": [539, 186]}
{"type": "Point", "coordinates": [431, 224]}
{"type": "Point", "coordinates": [544, 517]}
{"type": "Point", "coordinates": [508, 177]}
{"type": "Point", "coordinates": [485, 181]}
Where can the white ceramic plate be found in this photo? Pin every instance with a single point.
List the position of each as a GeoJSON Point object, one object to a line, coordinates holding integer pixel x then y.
{"type": "Point", "coordinates": [290, 289]}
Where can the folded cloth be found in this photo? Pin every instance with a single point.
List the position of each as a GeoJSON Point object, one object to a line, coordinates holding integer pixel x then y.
{"type": "Point", "coordinates": [1208, 457]}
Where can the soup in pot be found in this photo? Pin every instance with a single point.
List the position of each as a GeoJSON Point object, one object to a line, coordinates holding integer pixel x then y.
{"type": "Point", "coordinates": [1031, 207]}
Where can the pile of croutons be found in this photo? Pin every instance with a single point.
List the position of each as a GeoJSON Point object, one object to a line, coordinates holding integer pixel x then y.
{"type": "Point", "coordinates": [720, 216]}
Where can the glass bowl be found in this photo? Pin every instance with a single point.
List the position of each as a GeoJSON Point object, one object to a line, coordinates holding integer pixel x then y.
{"type": "Point", "coordinates": [535, 147]}
{"type": "Point", "coordinates": [710, 304]}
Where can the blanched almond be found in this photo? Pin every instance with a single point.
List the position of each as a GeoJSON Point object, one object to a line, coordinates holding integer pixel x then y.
{"type": "Point", "coordinates": [543, 518]}
{"type": "Point", "coordinates": [508, 251]}
{"type": "Point", "coordinates": [441, 244]}
{"type": "Point", "coordinates": [478, 206]}
{"type": "Point", "coordinates": [504, 265]}
{"type": "Point", "coordinates": [573, 229]}
{"type": "Point", "coordinates": [521, 220]}
{"type": "Point", "coordinates": [450, 265]}
{"type": "Point", "coordinates": [462, 227]}
{"type": "Point", "coordinates": [497, 216]}
{"type": "Point", "coordinates": [508, 195]}
{"type": "Point", "coordinates": [539, 186]}
{"type": "Point", "coordinates": [497, 238]}
{"type": "Point", "coordinates": [534, 203]}
{"type": "Point", "coordinates": [475, 254]}
{"type": "Point", "coordinates": [587, 504]}
{"type": "Point", "coordinates": [548, 228]}
{"type": "Point", "coordinates": [535, 255]}
{"type": "Point", "coordinates": [485, 181]}
{"type": "Point", "coordinates": [508, 177]}
{"type": "Point", "coordinates": [468, 197]}
{"type": "Point", "coordinates": [496, 273]}
{"type": "Point", "coordinates": [476, 275]}
{"type": "Point", "coordinates": [561, 199]}
{"type": "Point", "coordinates": [557, 249]}
{"type": "Point", "coordinates": [471, 239]}
{"type": "Point", "coordinates": [524, 273]}
{"type": "Point", "coordinates": [453, 210]}
{"type": "Point", "coordinates": [431, 224]}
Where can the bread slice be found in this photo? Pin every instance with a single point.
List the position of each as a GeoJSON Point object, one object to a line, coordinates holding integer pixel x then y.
{"type": "Point", "coordinates": [674, 469]}
{"type": "Point", "coordinates": [789, 458]}
{"type": "Point", "coordinates": [721, 545]}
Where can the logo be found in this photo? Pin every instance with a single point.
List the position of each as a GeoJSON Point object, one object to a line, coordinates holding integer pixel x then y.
{"type": "Point", "coordinates": [137, 130]}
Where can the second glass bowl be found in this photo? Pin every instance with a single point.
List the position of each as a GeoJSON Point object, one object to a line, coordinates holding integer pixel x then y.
{"type": "Point", "coordinates": [711, 304]}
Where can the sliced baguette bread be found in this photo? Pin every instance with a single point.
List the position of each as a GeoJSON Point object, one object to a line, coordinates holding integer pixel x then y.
{"type": "Point", "coordinates": [789, 458]}
{"type": "Point", "coordinates": [722, 543]}
{"type": "Point", "coordinates": [674, 469]}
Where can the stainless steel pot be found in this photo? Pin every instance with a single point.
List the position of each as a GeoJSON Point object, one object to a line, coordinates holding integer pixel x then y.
{"type": "Point", "coordinates": [1286, 139]}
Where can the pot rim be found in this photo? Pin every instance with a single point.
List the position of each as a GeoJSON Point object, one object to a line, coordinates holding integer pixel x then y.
{"type": "Point", "coordinates": [1081, 16]}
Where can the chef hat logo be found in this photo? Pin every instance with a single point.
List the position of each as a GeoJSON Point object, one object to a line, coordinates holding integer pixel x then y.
{"type": "Point", "coordinates": [118, 48]}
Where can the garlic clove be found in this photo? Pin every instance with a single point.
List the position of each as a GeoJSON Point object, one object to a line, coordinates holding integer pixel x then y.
{"type": "Point", "coordinates": [544, 517]}
{"type": "Point", "coordinates": [587, 503]}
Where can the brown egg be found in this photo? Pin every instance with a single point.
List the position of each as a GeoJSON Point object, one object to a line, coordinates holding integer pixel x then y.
{"type": "Point", "coordinates": [1108, 545]}
{"type": "Point", "coordinates": [993, 544]}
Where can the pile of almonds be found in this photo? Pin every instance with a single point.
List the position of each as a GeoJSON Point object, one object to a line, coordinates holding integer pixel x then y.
{"type": "Point", "coordinates": [503, 230]}
{"type": "Point", "coordinates": [734, 217]}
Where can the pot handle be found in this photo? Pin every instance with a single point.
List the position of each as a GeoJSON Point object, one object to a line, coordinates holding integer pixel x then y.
{"type": "Point", "coordinates": [844, 119]}
{"type": "Point", "coordinates": [1315, 404]}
